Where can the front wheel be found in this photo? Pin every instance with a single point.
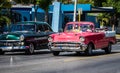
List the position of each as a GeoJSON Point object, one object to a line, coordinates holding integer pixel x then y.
{"type": "Point", "coordinates": [89, 51]}
{"type": "Point", "coordinates": [2, 52]}
{"type": "Point", "coordinates": [31, 49]}
{"type": "Point", "coordinates": [56, 53]}
{"type": "Point", "coordinates": [78, 53]}
{"type": "Point", "coordinates": [108, 49]}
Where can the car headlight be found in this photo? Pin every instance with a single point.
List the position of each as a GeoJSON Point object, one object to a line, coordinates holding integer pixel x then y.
{"type": "Point", "coordinates": [20, 43]}
{"type": "Point", "coordinates": [50, 39]}
{"type": "Point", "coordinates": [82, 39]}
{"type": "Point", "coordinates": [22, 37]}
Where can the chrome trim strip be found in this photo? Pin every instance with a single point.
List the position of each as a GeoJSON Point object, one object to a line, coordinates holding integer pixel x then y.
{"type": "Point", "coordinates": [9, 40]}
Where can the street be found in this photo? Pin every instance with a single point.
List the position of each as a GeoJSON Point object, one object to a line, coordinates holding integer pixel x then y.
{"type": "Point", "coordinates": [67, 62]}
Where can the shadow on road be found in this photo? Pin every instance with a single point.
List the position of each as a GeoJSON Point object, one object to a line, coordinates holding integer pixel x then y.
{"type": "Point", "coordinates": [38, 52]}
{"type": "Point", "coordinates": [82, 54]}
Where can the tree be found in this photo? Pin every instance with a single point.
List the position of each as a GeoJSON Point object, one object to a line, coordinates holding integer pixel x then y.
{"type": "Point", "coordinates": [5, 5]}
{"type": "Point", "coordinates": [65, 1]}
{"type": "Point", "coordinates": [25, 2]}
{"type": "Point", "coordinates": [98, 3]}
{"type": "Point", "coordinates": [44, 4]}
{"type": "Point", "coordinates": [116, 5]}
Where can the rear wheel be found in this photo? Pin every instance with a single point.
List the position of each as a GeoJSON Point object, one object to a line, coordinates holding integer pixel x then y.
{"type": "Point", "coordinates": [31, 49]}
{"type": "Point", "coordinates": [89, 51]}
{"type": "Point", "coordinates": [108, 49]}
{"type": "Point", "coordinates": [56, 53]}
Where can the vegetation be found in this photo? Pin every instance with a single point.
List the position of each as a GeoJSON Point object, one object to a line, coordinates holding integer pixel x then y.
{"type": "Point", "coordinates": [5, 5]}
{"type": "Point", "coordinates": [114, 16]}
{"type": "Point", "coordinates": [44, 4]}
{"type": "Point", "coordinates": [24, 2]}
{"type": "Point", "coordinates": [99, 3]}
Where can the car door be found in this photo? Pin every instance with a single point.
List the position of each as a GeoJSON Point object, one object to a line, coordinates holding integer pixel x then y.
{"type": "Point", "coordinates": [41, 38]}
{"type": "Point", "coordinates": [47, 32]}
{"type": "Point", "coordinates": [99, 40]}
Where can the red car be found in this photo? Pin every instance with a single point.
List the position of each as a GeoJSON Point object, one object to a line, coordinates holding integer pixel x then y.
{"type": "Point", "coordinates": [81, 37]}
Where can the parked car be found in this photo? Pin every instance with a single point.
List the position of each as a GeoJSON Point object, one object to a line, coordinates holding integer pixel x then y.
{"type": "Point", "coordinates": [81, 37]}
{"type": "Point", "coordinates": [25, 36]}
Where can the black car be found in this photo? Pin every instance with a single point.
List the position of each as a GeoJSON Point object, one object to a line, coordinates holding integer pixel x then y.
{"type": "Point", "coordinates": [26, 36]}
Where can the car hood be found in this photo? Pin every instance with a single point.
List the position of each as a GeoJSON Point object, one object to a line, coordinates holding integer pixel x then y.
{"type": "Point", "coordinates": [13, 35]}
{"type": "Point", "coordinates": [68, 36]}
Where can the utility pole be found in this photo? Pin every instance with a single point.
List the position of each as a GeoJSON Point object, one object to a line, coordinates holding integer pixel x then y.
{"type": "Point", "coordinates": [75, 8]}
{"type": "Point", "coordinates": [35, 13]}
{"type": "Point", "coordinates": [80, 13]}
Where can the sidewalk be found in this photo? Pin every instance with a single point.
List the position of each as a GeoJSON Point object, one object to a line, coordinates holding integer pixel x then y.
{"type": "Point", "coordinates": [118, 37]}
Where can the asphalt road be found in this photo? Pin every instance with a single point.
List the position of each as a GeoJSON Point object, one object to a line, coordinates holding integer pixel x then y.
{"type": "Point", "coordinates": [68, 62]}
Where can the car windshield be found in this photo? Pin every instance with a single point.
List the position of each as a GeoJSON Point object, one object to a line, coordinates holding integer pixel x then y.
{"type": "Point", "coordinates": [85, 27]}
{"type": "Point", "coordinates": [69, 27]}
{"type": "Point", "coordinates": [22, 27]}
{"type": "Point", "coordinates": [78, 28]}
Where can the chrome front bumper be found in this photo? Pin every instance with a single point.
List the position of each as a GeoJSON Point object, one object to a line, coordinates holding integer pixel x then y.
{"type": "Point", "coordinates": [67, 46]}
{"type": "Point", "coordinates": [12, 45]}
{"type": "Point", "coordinates": [12, 48]}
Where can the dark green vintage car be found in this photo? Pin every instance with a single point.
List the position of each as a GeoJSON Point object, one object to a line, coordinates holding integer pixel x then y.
{"type": "Point", "coordinates": [25, 36]}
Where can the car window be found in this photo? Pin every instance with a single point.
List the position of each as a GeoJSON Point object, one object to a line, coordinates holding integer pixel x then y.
{"type": "Point", "coordinates": [76, 26]}
{"type": "Point", "coordinates": [22, 27]}
{"type": "Point", "coordinates": [47, 28]}
{"type": "Point", "coordinates": [69, 27]}
{"type": "Point", "coordinates": [40, 28]}
{"type": "Point", "coordinates": [85, 27]}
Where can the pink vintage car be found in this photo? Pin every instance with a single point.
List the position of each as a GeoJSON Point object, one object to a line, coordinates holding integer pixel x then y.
{"type": "Point", "coordinates": [81, 37]}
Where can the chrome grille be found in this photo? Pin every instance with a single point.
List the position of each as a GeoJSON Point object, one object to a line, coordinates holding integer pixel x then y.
{"type": "Point", "coordinates": [9, 43]}
{"type": "Point", "coordinates": [66, 44]}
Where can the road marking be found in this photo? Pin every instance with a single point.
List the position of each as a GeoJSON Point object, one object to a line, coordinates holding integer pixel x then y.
{"type": "Point", "coordinates": [89, 57]}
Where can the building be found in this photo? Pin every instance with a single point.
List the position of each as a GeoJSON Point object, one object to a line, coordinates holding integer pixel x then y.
{"type": "Point", "coordinates": [59, 14]}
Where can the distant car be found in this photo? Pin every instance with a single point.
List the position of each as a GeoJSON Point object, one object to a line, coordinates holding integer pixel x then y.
{"type": "Point", "coordinates": [25, 36]}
